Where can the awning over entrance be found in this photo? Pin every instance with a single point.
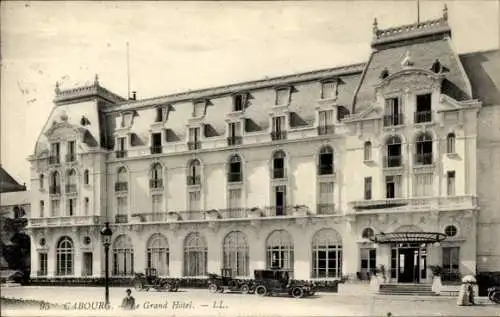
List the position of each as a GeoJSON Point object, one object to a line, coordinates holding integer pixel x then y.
{"type": "Point", "coordinates": [408, 237]}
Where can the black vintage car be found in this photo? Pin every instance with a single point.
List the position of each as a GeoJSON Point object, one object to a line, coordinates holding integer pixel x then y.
{"type": "Point", "coordinates": [227, 282]}
{"type": "Point", "coordinates": [151, 280]}
{"type": "Point", "coordinates": [278, 281]}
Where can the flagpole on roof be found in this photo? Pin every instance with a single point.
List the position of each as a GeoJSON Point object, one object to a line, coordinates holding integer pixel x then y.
{"type": "Point", "coordinates": [418, 11]}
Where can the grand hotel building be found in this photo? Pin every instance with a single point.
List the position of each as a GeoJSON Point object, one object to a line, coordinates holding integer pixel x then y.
{"type": "Point", "coordinates": [297, 172]}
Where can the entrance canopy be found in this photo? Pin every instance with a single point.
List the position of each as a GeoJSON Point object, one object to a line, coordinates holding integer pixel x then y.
{"type": "Point", "coordinates": [408, 237]}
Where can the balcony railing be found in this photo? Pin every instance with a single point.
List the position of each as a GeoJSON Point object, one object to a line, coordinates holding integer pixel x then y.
{"type": "Point", "coordinates": [423, 116]}
{"type": "Point", "coordinates": [276, 211]}
{"type": "Point", "coordinates": [121, 154]}
{"type": "Point", "coordinates": [54, 159]}
{"type": "Point", "coordinates": [194, 145]}
{"type": "Point", "coordinates": [233, 213]}
{"type": "Point", "coordinates": [279, 173]}
{"type": "Point", "coordinates": [234, 140]}
{"type": "Point", "coordinates": [325, 209]}
{"type": "Point", "coordinates": [121, 186]}
{"type": "Point", "coordinates": [70, 157]}
{"type": "Point", "coordinates": [193, 180]}
{"type": "Point", "coordinates": [423, 159]}
{"type": "Point", "coordinates": [55, 190]}
{"type": "Point", "coordinates": [65, 221]}
{"type": "Point", "coordinates": [192, 215]}
{"type": "Point", "coordinates": [234, 177]}
{"type": "Point", "coordinates": [418, 203]}
{"type": "Point", "coordinates": [325, 169]}
{"type": "Point", "coordinates": [393, 120]}
{"type": "Point", "coordinates": [278, 135]}
{"type": "Point", "coordinates": [156, 149]}
{"type": "Point", "coordinates": [326, 129]}
{"type": "Point", "coordinates": [121, 218]}
{"type": "Point", "coordinates": [392, 161]}
{"type": "Point", "coordinates": [156, 183]}
{"type": "Point", "coordinates": [70, 188]}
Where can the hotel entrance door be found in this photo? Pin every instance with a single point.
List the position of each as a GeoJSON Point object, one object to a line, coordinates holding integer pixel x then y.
{"type": "Point", "coordinates": [409, 263]}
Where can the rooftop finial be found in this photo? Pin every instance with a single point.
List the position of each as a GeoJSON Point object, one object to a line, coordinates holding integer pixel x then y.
{"type": "Point", "coordinates": [375, 26]}
{"type": "Point", "coordinates": [445, 12]}
{"type": "Point", "coordinates": [96, 80]}
{"type": "Point", "coordinates": [57, 90]}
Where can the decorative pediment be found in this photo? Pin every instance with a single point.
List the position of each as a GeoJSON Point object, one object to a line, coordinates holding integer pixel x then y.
{"type": "Point", "coordinates": [65, 130]}
{"type": "Point", "coordinates": [367, 114]}
{"type": "Point", "coordinates": [410, 78]}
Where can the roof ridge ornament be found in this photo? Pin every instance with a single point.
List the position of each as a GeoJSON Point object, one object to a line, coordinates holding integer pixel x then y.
{"type": "Point", "coordinates": [58, 89]}
{"type": "Point", "coordinates": [375, 27]}
{"type": "Point", "coordinates": [96, 80]}
{"type": "Point", "coordinates": [445, 12]}
{"type": "Point", "coordinates": [407, 62]}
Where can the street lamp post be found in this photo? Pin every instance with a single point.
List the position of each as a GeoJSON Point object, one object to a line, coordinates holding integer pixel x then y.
{"type": "Point", "coordinates": [106, 234]}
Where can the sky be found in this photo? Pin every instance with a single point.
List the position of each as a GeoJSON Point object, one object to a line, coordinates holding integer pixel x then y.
{"type": "Point", "coordinates": [177, 46]}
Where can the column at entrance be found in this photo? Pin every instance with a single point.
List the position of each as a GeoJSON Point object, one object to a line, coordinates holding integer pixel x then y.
{"type": "Point", "coordinates": [384, 259]}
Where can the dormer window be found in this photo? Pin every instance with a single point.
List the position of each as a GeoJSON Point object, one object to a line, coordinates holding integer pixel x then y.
{"type": "Point", "coordinates": [199, 108]}
{"type": "Point", "coordinates": [384, 74]}
{"type": "Point", "coordinates": [127, 119]}
{"type": "Point", "coordinates": [161, 113]}
{"type": "Point", "coordinates": [282, 96]}
{"type": "Point", "coordinates": [239, 102]}
{"type": "Point", "coordinates": [393, 115]}
{"type": "Point", "coordinates": [329, 89]}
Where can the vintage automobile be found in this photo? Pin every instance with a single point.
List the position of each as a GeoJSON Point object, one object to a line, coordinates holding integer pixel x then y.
{"type": "Point", "coordinates": [227, 282]}
{"type": "Point", "coordinates": [277, 281]}
{"type": "Point", "coordinates": [151, 280]}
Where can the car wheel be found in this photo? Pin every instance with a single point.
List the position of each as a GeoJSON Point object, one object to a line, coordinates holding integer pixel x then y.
{"type": "Point", "coordinates": [212, 288]}
{"type": "Point", "coordinates": [496, 298]}
{"type": "Point", "coordinates": [298, 292]}
{"type": "Point", "coordinates": [244, 289]}
{"type": "Point", "coordinates": [261, 290]}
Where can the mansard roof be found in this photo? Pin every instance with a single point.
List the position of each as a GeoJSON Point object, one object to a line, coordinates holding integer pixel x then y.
{"type": "Point", "coordinates": [8, 183]}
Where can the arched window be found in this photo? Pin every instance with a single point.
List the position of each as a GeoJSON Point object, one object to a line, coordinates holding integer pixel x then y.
{"type": "Point", "coordinates": [236, 254]}
{"type": "Point", "coordinates": [393, 155]}
{"type": "Point", "coordinates": [367, 156]}
{"type": "Point", "coordinates": [327, 254]}
{"type": "Point", "coordinates": [42, 181]}
{"type": "Point", "coordinates": [450, 143]}
{"type": "Point", "coordinates": [235, 173]}
{"type": "Point", "coordinates": [367, 233]}
{"type": "Point", "coordinates": [123, 256]}
{"type": "Point", "coordinates": [121, 180]}
{"type": "Point", "coordinates": [71, 183]}
{"type": "Point", "coordinates": [55, 183]}
{"type": "Point", "coordinates": [64, 256]}
{"type": "Point", "coordinates": [424, 149]}
{"type": "Point", "coordinates": [194, 172]}
{"type": "Point", "coordinates": [279, 165]}
{"type": "Point", "coordinates": [195, 255]}
{"type": "Point", "coordinates": [156, 180]}
{"type": "Point", "coordinates": [158, 254]}
{"type": "Point", "coordinates": [279, 247]}
{"type": "Point", "coordinates": [325, 164]}
{"type": "Point", "coordinates": [86, 178]}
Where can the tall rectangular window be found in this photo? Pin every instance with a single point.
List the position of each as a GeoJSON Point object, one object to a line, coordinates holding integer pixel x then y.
{"type": "Point", "coordinates": [194, 200]}
{"type": "Point", "coordinates": [55, 153]}
{"type": "Point", "coordinates": [42, 264]}
{"type": "Point", "coordinates": [329, 90]}
{"type": "Point", "coordinates": [325, 118]}
{"type": "Point", "coordinates": [278, 124]}
{"type": "Point", "coordinates": [157, 202]}
{"type": "Point", "coordinates": [194, 134]}
{"type": "Point", "coordinates": [393, 186]}
{"type": "Point", "coordinates": [121, 144]}
{"type": "Point", "coordinates": [234, 200]}
{"type": "Point", "coordinates": [368, 188]}
{"type": "Point", "coordinates": [71, 151]}
{"type": "Point", "coordinates": [392, 111]}
{"type": "Point", "coordinates": [450, 183]}
{"type": "Point", "coordinates": [451, 263]}
{"type": "Point", "coordinates": [55, 207]}
{"type": "Point", "coordinates": [326, 193]}
{"type": "Point", "coordinates": [282, 96]}
{"type": "Point", "coordinates": [71, 207]}
{"type": "Point", "coordinates": [42, 208]}
{"type": "Point", "coordinates": [368, 257]}
{"type": "Point", "coordinates": [121, 205]}
{"type": "Point", "coordinates": [422, 185]}
{"type": "Point", "coordinates": [234, 129]}
{"type": "Point", "coordinates": [86, 206]}
{"type": "Point", "coordinates": [239, 102]}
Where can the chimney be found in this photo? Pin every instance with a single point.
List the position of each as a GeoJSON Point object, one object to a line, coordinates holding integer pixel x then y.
{"type": "Point", "coordinates": [134, 95]}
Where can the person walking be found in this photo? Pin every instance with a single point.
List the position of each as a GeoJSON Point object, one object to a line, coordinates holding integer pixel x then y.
{"type": "Point", "coordinates": [128, 302]}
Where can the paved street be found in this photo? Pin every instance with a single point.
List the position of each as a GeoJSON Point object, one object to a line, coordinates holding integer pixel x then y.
{"type": "Point", "coordinates": [202, 303]}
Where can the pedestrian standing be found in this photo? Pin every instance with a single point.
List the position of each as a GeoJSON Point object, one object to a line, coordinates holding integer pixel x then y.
{"type": "Point", "coordinates": [128, 302]}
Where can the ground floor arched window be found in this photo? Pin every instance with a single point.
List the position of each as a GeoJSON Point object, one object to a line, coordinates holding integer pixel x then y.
{"type": "Point", "coordinates": [158, 254]}
{"type": "Point", "coordinates": [279, 247]}
{"type": "Point", "coordinates": [326, 254]}
{"type": "Point", "coordinates": [195, 255]}
{"type": "Point", "coordinates": [236, 254]}
{"type": "Point", "coordinates": [65, 257]}
{"type": "Point", "coordinates": [123, 256]}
